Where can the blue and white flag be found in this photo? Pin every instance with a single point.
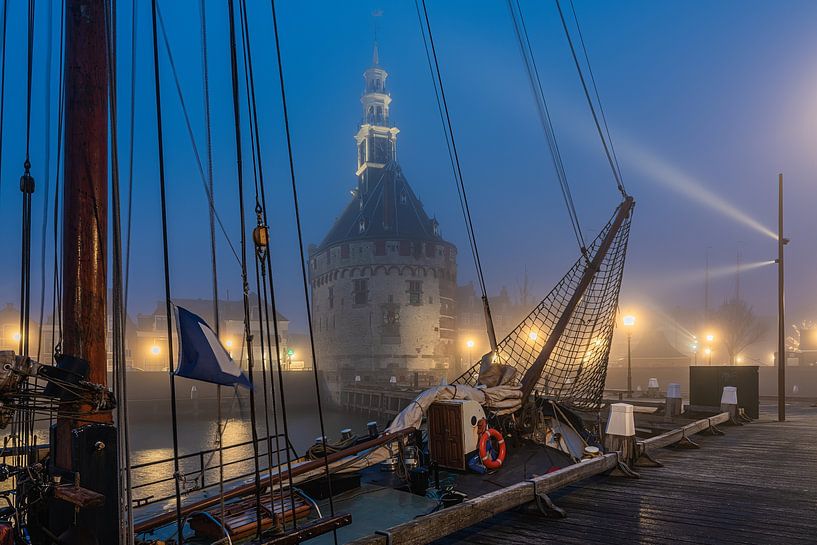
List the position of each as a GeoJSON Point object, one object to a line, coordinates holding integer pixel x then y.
{"type": "Point", "coordinates": [201, 355]}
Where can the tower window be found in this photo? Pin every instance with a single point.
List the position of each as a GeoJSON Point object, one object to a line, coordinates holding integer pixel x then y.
{"type": "Point", "coordinates": [403, 197]}
{"type": "Point", "coordinates": [360, 291]}
{"type": "Point", "coordinates": [415, 292]}
{"type": "Point", "coordinates": [361, 226]}
{"type": "Point", "coordinates": [331, 297]}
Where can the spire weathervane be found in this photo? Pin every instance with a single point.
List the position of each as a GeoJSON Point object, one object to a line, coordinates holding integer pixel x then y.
{"type": "Point", "coordinates": [376, 14]}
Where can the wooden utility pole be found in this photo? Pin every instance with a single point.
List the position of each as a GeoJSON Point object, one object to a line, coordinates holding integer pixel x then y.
{"type": "Point", "coordinates": [781, 322]}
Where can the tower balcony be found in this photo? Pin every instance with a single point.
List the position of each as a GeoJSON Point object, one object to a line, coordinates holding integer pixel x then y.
{"type": "Point", "coordinates": [377, 121]}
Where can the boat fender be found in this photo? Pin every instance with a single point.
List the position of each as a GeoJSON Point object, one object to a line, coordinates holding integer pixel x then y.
{"type": "Point", "coordinates": [489, 461]}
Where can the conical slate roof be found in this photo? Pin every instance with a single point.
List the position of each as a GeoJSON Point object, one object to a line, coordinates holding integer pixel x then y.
{"type": "Point", "coordinates": [389, 210]}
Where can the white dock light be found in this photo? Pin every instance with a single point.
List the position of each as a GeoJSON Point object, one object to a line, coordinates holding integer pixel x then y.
{"type": "Point", "coordinates": [729, 402]}
{"type": "Point", "coordinates": [621, 422]}
{"type": "Point", "coordinates": [652, 384]}
{"type": "Point", "coordinates": [620, 435]}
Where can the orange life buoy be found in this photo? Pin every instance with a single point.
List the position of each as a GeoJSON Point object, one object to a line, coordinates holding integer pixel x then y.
{"type": "Point", "coordinates": [485, 456]}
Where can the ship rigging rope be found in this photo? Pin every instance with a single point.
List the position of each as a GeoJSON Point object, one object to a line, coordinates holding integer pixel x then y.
{"type": "Point", "coordinates": [210, 201]}
{"type": "Point", "coordinates": [263, 263]}
{"type": "Point", "coordinates": [608, 151]}
{"type": "Point", "coordinates": [205, 79]}
{"type": "Point", "coordinates": [3, 86]}
{"type": "Point", "coordinates": [131, 131]}
{"type": "Point", "coordinates": [119, 310]}
{"type": "Point", "coordinates": [27, 189]}
{"type": "Point", "coordinates": [521, 32]}
{"type": "Point", "coordinates": [23, 420]}
{"type": "Point", "coordinates": [596, 92]}
{"type": "Point", "coordinates": [244, 282]}
{"type": "Point", "coordinates": [304, 279]}
{"type": "Point", "coordinates": [47, 176]}
{"type": "Point", "coordinates": [442, 106]}
{"type": "Point", "coordinates": [56, 302]}
{"type": "Point", "coordinates": [166, 266]}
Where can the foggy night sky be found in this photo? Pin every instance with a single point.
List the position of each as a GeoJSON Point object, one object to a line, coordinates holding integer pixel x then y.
{"type": "Point", "coordinates": [721, 93]}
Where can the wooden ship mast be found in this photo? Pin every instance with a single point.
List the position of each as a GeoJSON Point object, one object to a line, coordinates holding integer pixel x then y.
{"type": "Point", "coordinates": [85, 449]}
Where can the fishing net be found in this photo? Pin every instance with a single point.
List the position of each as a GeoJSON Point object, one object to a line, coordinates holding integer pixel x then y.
{"type": "Point", "coordinates": [575, 372]}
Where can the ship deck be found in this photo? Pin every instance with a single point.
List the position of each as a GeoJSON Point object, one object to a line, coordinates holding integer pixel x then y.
{"type": "Point", "coordinates": [756, 484]}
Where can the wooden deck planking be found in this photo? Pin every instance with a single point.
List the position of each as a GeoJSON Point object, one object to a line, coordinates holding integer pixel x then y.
{"type": "Point", "coordinates": [757, 484]}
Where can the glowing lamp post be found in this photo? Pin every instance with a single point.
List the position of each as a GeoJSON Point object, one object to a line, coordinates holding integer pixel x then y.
{"type": "Point", "coordinates": [629, 324]}
{"type": "Point", "coordinates": [709, 339]}
{"type": "Point", "coordinates": [470, 344]}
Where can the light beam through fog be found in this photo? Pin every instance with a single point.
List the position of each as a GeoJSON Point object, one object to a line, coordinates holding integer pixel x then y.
{"type": "Point", "coordinates": [672, 177]}
{"type": "Point", "coordinates": [698, 276]}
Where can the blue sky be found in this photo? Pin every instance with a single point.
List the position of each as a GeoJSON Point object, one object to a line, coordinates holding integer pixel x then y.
{"type": "Point", "coordinates": [722, 95]}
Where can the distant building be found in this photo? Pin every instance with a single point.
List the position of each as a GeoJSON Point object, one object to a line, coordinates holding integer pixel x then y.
{"type": "Point", "coordinates": [150, 346]}
{"type": "Point", "coordinates": [383, 279]}
{"type": "Point", "coordinates": [652, 349]}
{"type": "Point", "coordinates": [9, 328]}
{"type": "Point", "coordinates": [472, 336]}
{"type": "Point", "coordinates": [10, 335]}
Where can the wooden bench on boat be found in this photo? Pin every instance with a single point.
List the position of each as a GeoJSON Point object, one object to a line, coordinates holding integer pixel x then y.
{"type": "Point", "coordinates": [240, 517]}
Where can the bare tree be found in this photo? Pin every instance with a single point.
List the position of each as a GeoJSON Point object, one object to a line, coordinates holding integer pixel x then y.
{"type": "Point", "coordinates": [799, 332]}
{"type": "Point", "coordinates": [739, 327]}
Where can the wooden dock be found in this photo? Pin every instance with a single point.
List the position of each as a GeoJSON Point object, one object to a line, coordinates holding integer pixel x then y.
{"type": "Point", "coordinates": [757, 484]}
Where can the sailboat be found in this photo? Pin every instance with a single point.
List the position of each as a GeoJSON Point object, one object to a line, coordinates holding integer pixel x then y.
{"type": "Point", "coordinates": [521, 410]}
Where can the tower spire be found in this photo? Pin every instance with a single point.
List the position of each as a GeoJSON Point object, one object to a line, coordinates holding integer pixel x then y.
{"type": "Point", "coordinates": [376, 15]}
{"type": "Point", "coordinates": [377, 136]}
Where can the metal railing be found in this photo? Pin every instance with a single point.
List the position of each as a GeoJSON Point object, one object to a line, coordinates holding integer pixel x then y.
{"type": "Point", "coordinates": [200, 470]}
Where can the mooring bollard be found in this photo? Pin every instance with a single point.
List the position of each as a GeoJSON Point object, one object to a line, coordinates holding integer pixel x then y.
{"type": "Point", "coordinates": [620, 433]}
{"type": "Point", "coordinates": [653, 388]}
{"type": "Point", "coordinates": [674, 403]}
{"type": "Point", "coordinates": [729, 402]}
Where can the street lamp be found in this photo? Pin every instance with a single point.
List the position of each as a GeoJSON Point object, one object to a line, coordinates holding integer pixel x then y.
{"type": "Point", "coordinates": [470, 344]}
{"type": "Point", "coordinates": [710, 337]}
{"type": "Point", "coordinates": [694, 347]}
{"type": "Point", "coordinates": [708, 352]}
{"type": "Point", "coordinates": [533, 336]}
{"type": "Point", "coordinates": [629, 323]}
{"type": "Point", "coordinates": [155, 350]}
